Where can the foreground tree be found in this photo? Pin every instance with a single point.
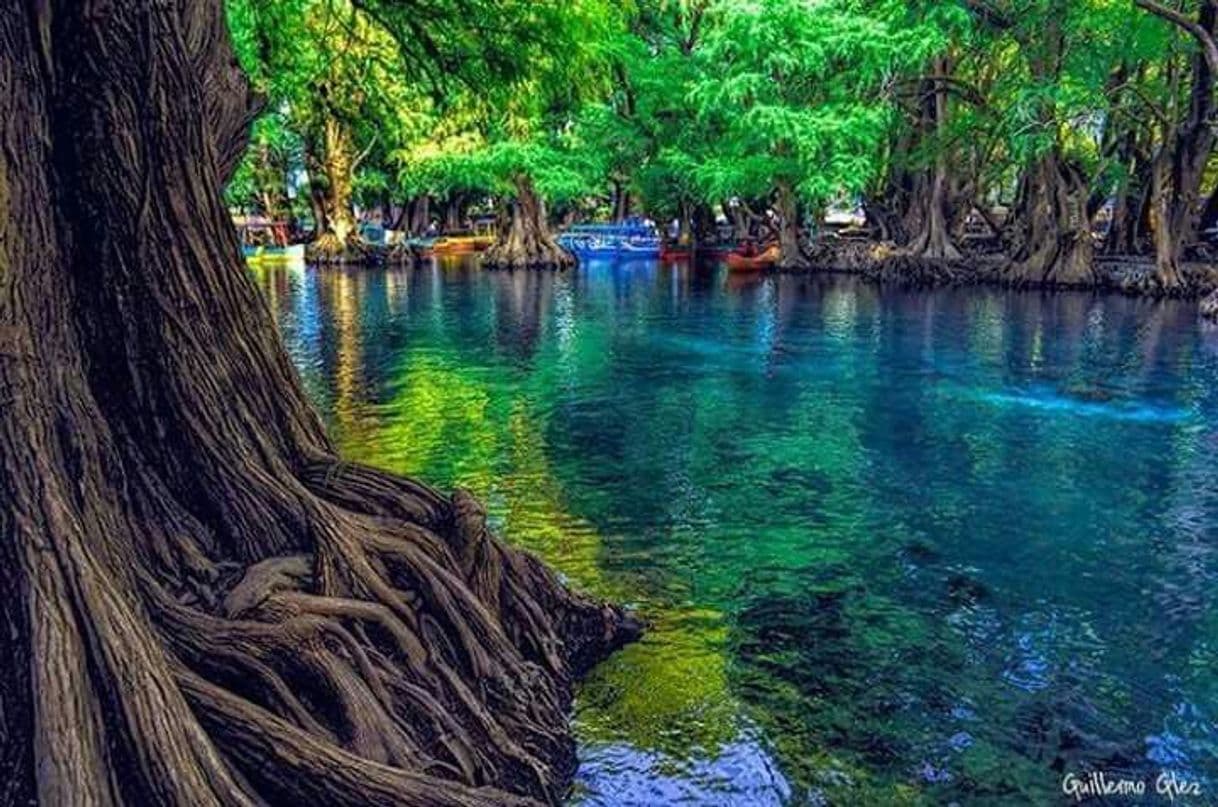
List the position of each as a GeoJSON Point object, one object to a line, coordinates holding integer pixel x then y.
{"type": "Point", "coordinates": [207, 606]}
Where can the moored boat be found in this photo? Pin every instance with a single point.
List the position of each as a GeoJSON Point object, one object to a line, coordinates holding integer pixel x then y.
{"type": "Point", "coordinates": [290, 253]}
{"type": "Point", "coordinates": [740, 262]}
{"type": "Point", "coordinates": [461, 243]}
{"type": "Point", "coordinates": [268, 242]}
{"type": "Point", "coordinates": [630, 239]}
{"type": "Point", "coordinates": [423, 247]}
{"type": "Point", "coordinates": [465, 242]}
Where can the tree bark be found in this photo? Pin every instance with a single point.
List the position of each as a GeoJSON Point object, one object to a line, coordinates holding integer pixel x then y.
{"type": "Point", "coordinates": [524, 240]}
{"type": "Point", "coordinates": [331, 184]}
{"type": "Point", "coordinates": [453, 207]}
{"type": "Point", "coordinates": [621, 201]}
{"type": "Point", "coordinates": [687, 234]}
{"type": "Point", "coordinates": [933, 239]}
{"type": "Point", "coordinates": [269, 177]}
{"type": "Point", "coordinates": [1053, 244]}
{"type": "Point", "coordinates": [1126, 231]}
{"type": "Point", "coordinates": [207, 606]}
{"type": "Point", "coordinates": [791, 254]}
{"type": "Point", "coordinates": [1179, 166]}
{"type": "Point", "coordinates": [420, 215]}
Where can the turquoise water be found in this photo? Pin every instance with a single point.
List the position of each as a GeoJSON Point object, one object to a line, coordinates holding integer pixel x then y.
{"type": "Point", "coordinates": [895, 547]}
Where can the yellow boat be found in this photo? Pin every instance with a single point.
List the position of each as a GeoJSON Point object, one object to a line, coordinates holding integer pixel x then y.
{"type": "Point", "coordinates": [466, 241]}
{"type": "Point", "coordinates": [266, 242]}
{"type": "Point", "coordinates": [292, 253]}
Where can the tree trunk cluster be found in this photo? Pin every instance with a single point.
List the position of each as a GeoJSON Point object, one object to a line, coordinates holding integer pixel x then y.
{"type": "Point", "coordinates": [1052, 229]}
{"type": "Point", "coordinates": [331, 170]}
{"type": "Point", "coordinates": [524, 240]}
{"type": "Point", "coordinates": [1179, 166]}
{"type": "Point", "coordinates": [931, 232]}
{"type": "Point", "coordinates": [791, 253]}
{"type": "Point", "coordinates": [203, 604]}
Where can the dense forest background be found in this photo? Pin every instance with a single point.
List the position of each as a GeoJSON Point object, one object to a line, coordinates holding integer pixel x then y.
{"type": "Point", "coordinates": [1025, 124]}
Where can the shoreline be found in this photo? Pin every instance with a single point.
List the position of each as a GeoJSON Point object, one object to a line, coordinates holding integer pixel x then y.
{"type": "Point", "coordinates": [1132, 275]}
{"type": "Point", "coordinates": [1128, 275]}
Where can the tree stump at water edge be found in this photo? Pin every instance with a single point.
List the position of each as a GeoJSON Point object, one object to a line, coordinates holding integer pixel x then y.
{"type": "Point", "coordinates": [525, 241]}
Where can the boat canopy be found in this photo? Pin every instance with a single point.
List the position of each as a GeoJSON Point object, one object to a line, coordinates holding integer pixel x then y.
{"type": "Point", "coordinates": [626, 229]}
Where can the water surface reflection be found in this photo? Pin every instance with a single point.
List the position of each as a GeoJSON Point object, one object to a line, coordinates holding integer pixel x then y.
{"type": "Point", "coordinates": [898, 548]}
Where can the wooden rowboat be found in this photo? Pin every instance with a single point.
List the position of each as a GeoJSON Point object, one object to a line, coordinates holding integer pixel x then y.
{"type": "Point", "coordinates": [737, 262]}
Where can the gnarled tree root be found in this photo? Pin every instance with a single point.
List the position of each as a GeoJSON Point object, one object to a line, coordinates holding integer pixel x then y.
{"type": "Point", "coordinates": [328, 248]}
{"type": "Point", "coordinates": [410, 657]}
{"type": "Point", "coordinates": [1209, 306]}
{"type": "Point", "coordinates": [524, 240]}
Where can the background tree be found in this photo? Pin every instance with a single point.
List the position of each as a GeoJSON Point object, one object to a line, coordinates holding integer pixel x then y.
{"type": "Point", "coordinates": [1059, 129]}
{"type": "Point", "coordinates": [798, 92]}
{"type": "Point", "coordinates": [658, 147]}
{"type": "Point", "coordinates": [1186, 134]}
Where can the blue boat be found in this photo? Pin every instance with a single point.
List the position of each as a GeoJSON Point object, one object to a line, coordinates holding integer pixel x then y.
{"type": "Point", "coordinates": [630, 239]}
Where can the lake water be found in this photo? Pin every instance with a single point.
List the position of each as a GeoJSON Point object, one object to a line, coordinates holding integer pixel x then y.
{"type": "Point", "coordinates": [896, 547]}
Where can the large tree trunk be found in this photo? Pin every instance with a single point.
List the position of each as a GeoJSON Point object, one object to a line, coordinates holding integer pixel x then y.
{"type": "Point", "coordinates": [331, 179]}
{"type": "Point", "coordinates": [453, 208]}
{"type": "Point", "coordinates": [202, 604]}
{"type": "Point", "coordinates": [1053, 244]}
{"type": "Point", "coordinates": [687, 233]}
{"type": "Point", "coordinates": [524, 240]}
{"type": "Point", "coordinates": [791, 253]}
{"type": "Point", "coordinates": [420, 215]}
{"type": "Point", "coordinates": [269, 176]}
{"type": "Point", "coordinates": [1167, 219]}
{"type": "Point", "coordinates": [1175, 201]}
{"type": "Point", "coordinates": [933, 237]}
{"type": "Point", "coordinates": [935, 241]}
{"type": "Point", "coordinates": [883, 221]}
{"type": "Point", "coordinates": [621, 201]}
{"type": "Point", "coordinates": [1126, 231]}
{"type": "Point", "coordinates": [1177, 170]}
{"type": "Point", "coordinates": [901, 207]}
{"type": "Point", "coordinates": [705, 226]}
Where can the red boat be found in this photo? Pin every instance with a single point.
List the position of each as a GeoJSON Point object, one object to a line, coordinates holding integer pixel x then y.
{"type": "Point", "coordinates": [739, 262]}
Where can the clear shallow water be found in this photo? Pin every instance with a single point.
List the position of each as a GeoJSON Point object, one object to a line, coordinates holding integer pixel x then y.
{"type": "Point", "coordinates": [897, 548]}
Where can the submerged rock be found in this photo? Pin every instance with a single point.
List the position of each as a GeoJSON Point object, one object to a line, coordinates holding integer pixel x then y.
{"type": "Point", "coordinates": [965, 590]}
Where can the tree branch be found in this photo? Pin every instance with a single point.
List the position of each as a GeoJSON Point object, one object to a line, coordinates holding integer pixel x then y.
{"type": "Point", "coordinates": [1204, 38]}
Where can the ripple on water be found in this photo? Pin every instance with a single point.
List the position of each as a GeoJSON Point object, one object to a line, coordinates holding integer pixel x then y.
{"type": "Point", "coordinates": [739, 774]}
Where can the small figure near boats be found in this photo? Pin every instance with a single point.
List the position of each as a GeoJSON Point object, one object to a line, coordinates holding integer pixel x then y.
{"type": "Point", "coordinates": [632, 238]}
